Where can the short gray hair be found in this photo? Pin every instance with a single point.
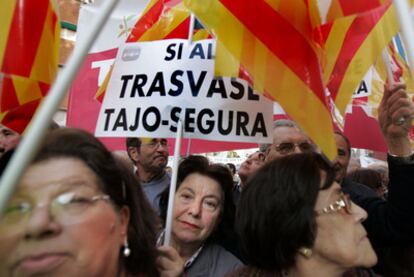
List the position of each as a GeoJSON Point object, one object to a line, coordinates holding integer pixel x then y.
{"type": "Point", "coordinates": [278, 123]}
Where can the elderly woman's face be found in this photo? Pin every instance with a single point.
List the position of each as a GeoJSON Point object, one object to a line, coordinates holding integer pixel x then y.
{"type": "Point", "coordinates": [197, 207]}
{"type": "Point", "coordinates": [341, 239]}
{"type": "Point", "coordinates": [58, 223]}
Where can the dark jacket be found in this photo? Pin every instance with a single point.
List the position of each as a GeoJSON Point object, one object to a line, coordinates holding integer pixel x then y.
{"type": "Point", "coordinates": [390, 221]}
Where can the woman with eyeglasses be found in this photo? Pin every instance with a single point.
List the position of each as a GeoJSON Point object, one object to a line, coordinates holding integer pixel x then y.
{"type": "Point", "coordinates": [203, 215]}
{"type": "Point", "coordinates": [77, 212]}
{"type": "Point", "coordinates": [294, 220]}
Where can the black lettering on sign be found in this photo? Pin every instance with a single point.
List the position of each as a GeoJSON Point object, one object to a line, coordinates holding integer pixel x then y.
{"type": "Point", "coordinates": [209, 123]}
{"type": "Point", "coordinates": [239, 87]}
{"type": "Point", "coordinates": [108, 113]}
{"type": "Point", "coordinates": [362, 88]}
{"type": "Point", "coordinates": [121, 121]}
{"type": "Point", "coordinates": [220, 126]}
{"type": "Point", "coordinates": [175, 116]}
{"type": "Point", "coordinates": [172, 52]}
{"type": "Point", "coordinates": [251, 95]}
{"type": "Point", "coordinates": [210, 55]}
{"type": "Point", "coordinates": [241, 122]}
{"type": "Point", "coordinates": [157, 85]}
{"type": "Point", "coordinates": [151, 110]}
{"type": "Point", "coordinates": [197, 51]}
{"type": "Point", "coordinates": [221, 89]}
{"type": "Point", "coordinates": [139, 81]}
{"type": "Point", "coordinates": [259, 126]}
{"type": "Point", "coordinates": [136, 123]}
{"type": "Point", "coordinates": [195, 86]}
{"type": "Point", "coordinates": [189, 120]}
{"type": "Point", "coordinates": [125, 79]}
{"type": "Point", "coordinates": [176, 82]}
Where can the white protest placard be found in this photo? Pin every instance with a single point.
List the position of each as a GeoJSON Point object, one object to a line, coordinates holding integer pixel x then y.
{"type": "Point", "coordinates": [154, 84]}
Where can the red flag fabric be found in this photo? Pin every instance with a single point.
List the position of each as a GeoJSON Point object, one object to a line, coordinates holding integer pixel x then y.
{"type": "Point", "coordinates": [279, 55]}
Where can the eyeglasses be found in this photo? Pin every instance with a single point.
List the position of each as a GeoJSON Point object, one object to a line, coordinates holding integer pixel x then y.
{"type": "Point", "coordinates": [288, 147]}
{"type": "Point", "coordinates": [67, 207]}
{"type": "Point", "coordinates": [344, 202]}
{"type": "Point", "coordinates": [155, 144]}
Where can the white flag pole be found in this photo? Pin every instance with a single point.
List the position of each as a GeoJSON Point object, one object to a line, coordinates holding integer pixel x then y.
{"type": "Point", "coordinates": [177, 148]}
{"type": "Point", "coordinates": [390, 77]}
{"type": "Point", "coordinates": [407, 28]}
{"type": "Point", "coordinates": [387, 63]}
{"type": "Point", "coordinates": [173, 185]}
{"type": "Point", "coordinates": [188, 147]}
{"type": "Point", "coordinates": [191, 29]}
{"type": "Point", "coordinates": [37, 130]}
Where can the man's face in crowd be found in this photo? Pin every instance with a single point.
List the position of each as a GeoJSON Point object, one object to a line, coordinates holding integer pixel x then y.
{"type": "Point", "coordinates": [152, 155]}
{"type": "Point", "coordinates": [286, 141]}
{"type": "Point", "coordinates": [342, 159]}
{"type": "Point", "coordinates": [9, 139]}
{"type": "Point", "coordinates": [251, 165]}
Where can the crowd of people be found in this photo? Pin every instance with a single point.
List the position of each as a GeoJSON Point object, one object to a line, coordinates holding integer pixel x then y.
{"type": "Point", "coordinates": [80, 210]}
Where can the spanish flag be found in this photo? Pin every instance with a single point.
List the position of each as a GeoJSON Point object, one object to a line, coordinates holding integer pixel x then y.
{"type": "Point", "coordinates": [29, 43]}
{"type": "Point", "coordinates": [279, 54]}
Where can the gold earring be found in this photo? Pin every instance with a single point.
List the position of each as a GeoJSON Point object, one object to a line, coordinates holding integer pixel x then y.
{"type": "Point", "coordinates": [306, 252]}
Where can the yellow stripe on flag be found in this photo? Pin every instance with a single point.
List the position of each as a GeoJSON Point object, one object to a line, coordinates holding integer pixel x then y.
{"type": "Point", "coordinates": [301, 104]}
{"type": "Point", "coordinates": [167, 23]}
{"type": "Point", "coordinates": [46, 61]}
{"type": "Point", "coordinates": [226, 63]}
{"type": "Point", "coordinates": [333, 46]}
{"type": "Point", "coordinates": [260, 69]}
{"type": "Point", "coordinates": [102, 88]}
{"type": "Point", "coordinates": [6, 18]}
{"type": "Point", "coordinates": [369, 51]}
{"type": "Point", "coordinates": [26, 89]}
{"type": "Point", "coordinates": [275, 77]}
{"type": "Point", "coordinates": [200, 34]}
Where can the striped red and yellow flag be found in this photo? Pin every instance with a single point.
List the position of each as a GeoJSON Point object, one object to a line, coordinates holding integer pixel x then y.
{"type": "Point", "coordinates": [29, 43]}
{"type": "Point", "coordinates": [161, 19]}
{"type": "Point", "coordinates": [279, 55]}
{"type": "Point", "coordinates": [352, 45]}
{"type": "Point", "coordinates": [342, 8]}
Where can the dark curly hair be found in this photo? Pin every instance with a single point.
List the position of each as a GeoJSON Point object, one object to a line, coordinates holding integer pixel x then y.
{"type": "Point", "coordinates": [119, 183]}
{"type": "Point", "coordinates": [275, 216]}
{"type": "Point", "coordinates": [219, 173]}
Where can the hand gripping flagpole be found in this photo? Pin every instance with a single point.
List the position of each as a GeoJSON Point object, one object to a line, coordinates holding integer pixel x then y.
{"type": "Point", "coordinates": [37, 130]}
{"type": "Point", "coordinates": [177, 148]}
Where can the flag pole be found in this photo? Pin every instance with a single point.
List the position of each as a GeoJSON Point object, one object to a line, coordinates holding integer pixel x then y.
{"type": "Point", "coordinates": [387, 63]}
{"type": "Point", "coordinates": [406, 25]}
{"type": "Point", "coordinates": [37, 130]}
{"type": "Point", "coordinates": [177, 149]}
{"type": "Point", "coordinates": [390, 77]}
{"type": "Point", "coordinates": [188, 147]}
{"type": "Point", "coordinates": [173, 185]}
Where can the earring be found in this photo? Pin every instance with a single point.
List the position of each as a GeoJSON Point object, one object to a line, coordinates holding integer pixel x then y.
{"type": "Point", "coordinates": [307, 252]}
{"type": "Point", "coordinates": [127, 251]}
